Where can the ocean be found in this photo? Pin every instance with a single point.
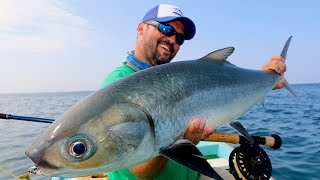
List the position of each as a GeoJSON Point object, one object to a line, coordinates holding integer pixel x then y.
{"type": "Point", "coordinates": [296, 120]}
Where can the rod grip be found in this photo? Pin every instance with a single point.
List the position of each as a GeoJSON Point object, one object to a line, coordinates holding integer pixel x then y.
{"type": "Point", "coordinates": [223, 137]}
{"type": "Point", "coordinates": [273, 141]}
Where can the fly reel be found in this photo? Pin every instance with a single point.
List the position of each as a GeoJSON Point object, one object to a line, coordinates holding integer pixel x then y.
{"type": "Point", "coordinates": [250, 161]}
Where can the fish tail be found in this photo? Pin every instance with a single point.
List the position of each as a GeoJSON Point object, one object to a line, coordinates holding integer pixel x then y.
{"type": "Point", "coordinates": [285, 48]}
{"type": "Point", "coordinates": [290, 89]}
{"type": "Point", "coordinates": [284, 56]}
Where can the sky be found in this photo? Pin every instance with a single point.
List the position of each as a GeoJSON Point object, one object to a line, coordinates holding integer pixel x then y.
{"type": "Point", "coordinates": [71, 45]}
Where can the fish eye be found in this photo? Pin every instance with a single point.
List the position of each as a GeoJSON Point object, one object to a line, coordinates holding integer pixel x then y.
{"type": "Point", "coordinates": [80, 147]}
{"type": "Point", "coordinates": [77, 149]}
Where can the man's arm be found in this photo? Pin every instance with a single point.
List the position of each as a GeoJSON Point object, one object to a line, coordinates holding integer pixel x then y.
{"type": "Point", "coordinates": [196, 131]}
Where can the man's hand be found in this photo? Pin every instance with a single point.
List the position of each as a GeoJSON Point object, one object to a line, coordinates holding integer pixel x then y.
{"type": "Point", "coordinates": [197, 130]}
{"type": "Point", "coordinates": [277, 64]}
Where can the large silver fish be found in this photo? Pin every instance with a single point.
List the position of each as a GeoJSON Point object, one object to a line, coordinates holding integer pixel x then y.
{"type": "Point", "coordinates": [143, 115]}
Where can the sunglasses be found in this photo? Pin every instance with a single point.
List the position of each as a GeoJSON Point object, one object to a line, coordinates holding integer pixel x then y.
{"type": "Point", "coordinates": [167, 30]}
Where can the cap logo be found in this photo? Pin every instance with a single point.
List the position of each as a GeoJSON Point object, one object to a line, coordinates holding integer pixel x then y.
{"type": "Point", "coordinates": [177, 11]}
{"type": "Point", "coordinates": [166, 10]}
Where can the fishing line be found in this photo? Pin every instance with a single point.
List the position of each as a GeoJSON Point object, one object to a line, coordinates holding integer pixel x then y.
{"type": "Point", "coordinates": [9, 173]}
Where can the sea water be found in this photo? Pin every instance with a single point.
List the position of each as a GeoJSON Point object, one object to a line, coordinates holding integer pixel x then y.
{"type": "Point", "coordinates": [296, 120]}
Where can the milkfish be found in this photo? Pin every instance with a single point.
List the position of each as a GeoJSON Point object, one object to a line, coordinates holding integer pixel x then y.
{"type": "Point", "coordinates": [144, 115]}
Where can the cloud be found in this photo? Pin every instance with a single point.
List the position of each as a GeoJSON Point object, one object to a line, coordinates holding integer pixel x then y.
{"type": "Point", "coordinates": [41, 26]}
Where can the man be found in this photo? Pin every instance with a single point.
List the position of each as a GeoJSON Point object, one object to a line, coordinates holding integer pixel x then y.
{"type": "Point", "coordinates": [160, 34]}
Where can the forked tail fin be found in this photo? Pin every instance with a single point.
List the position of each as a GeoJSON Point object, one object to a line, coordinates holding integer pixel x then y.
{"type": "Point", "coordinates": [290, 89]}
{"type": "Point", "coordinates": [284, 56]}
{"type": "Point", "coordinates": [285, 48]}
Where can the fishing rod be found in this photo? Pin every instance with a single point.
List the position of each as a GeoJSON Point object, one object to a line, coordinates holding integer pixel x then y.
{"type": "Point", "coordinates": [243, 160]}
{"type": "Point", "coordinates": [273, 141]}
{"type": "Point", "coordinates": [25, 118]}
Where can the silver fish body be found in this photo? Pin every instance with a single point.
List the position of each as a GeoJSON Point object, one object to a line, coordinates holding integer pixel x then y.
{"type": "Point", "coordinates": [129, 121]}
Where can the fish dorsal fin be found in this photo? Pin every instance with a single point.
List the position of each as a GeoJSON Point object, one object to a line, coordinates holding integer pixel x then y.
{"type": "Point", "coordinates": [220, 54]}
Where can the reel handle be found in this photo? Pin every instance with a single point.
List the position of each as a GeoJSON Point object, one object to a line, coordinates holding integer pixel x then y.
{"type": "Point", "coordinates": [273, 141]}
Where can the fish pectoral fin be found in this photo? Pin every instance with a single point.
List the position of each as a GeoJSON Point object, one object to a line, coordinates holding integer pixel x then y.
{"type": "Point", "coordinates": [134, 123]}
{"type": "Point", "coordinates": [132, 133]}
{"type": "Point", "coordinates": [238, 126]}
{"type": "Point", "coordinates": [187, 154]}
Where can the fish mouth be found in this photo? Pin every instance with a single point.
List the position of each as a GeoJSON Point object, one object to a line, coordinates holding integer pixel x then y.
{"type": "Point", "coordinates": [41, 166]}
{"type": "Point", "coordinates": [37, 170]}
{"type": "Point", "coordinates": [34, 170]}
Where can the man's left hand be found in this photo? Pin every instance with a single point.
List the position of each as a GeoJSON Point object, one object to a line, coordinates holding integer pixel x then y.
{"type": "Point", "coordinates": [197, 130]}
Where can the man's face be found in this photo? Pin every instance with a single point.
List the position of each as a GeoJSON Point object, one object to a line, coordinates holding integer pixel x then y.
{"type": "Point", "coordinates": [158, 48]}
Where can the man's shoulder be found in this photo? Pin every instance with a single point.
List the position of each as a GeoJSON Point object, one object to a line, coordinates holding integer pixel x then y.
{"type": "Point", "coordinates": [117, 74]}
{"type": "Point", "coordinates": [124, 69]}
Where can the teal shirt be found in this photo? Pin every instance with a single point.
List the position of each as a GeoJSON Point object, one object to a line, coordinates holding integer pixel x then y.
{"type": "Point", "coordinates": [172, 170]}
{"type": "Point", "coordinates": [117, 74]}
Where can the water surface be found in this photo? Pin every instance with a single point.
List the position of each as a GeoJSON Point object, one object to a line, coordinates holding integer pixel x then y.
{"type": "Point", "coordinates": [297, 121]}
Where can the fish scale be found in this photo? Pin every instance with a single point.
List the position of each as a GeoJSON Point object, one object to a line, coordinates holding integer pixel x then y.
{"type": "Point", "coordinates": [199, 88]}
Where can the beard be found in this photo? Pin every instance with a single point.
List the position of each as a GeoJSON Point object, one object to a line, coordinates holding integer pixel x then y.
{"type": "Point", "coordinates": [158, 55]}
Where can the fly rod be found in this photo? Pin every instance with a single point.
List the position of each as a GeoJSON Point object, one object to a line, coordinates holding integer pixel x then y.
{"type": "Point", "coordinates": [273, 141]}
{"type": "Point", "coordinates": [25, 118]}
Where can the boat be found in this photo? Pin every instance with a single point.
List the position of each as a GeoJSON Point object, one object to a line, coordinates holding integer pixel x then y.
{"type": "Point", "coordinates": [217, 154]}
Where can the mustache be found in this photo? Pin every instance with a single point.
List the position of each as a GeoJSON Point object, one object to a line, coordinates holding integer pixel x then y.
{"type": "Point", "coordinates": [168, 43]}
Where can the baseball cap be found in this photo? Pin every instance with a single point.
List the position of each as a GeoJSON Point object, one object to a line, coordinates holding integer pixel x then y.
{"type": "Point", "coordinates": [167, 13]}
